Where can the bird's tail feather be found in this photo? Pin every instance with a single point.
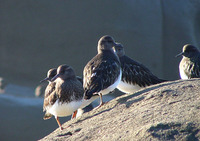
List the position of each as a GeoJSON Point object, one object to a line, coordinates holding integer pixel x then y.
{"type": "Point", "coordinates": [47, 116]}
{"type": "Point", "coordinates": [88, 94]}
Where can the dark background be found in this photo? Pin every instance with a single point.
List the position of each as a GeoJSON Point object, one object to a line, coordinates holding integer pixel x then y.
{"type": "Point", "coordinates": [36, 35]}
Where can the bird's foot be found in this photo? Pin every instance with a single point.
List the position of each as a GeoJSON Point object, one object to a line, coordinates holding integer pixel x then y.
{"type": "Point", "coordinates": [100, 105]}
{"type": "Point", "coordinates": [61, 128]}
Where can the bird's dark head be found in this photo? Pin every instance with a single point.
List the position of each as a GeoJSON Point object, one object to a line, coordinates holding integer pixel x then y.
{"type": "Point", "coordinates": [106, 43]}
{"type": "Point", "coordinates": [50, 74]}
{"type": "Point", "coordinates": [189, 51]}
{"type": "Point", "coordinates": [64, 72]}
{"type": "Point", "coordinates": [119, 50]}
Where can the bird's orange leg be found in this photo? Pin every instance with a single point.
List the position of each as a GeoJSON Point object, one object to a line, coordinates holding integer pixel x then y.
{"type": "Point", "coordinates": [74, 114]}
{"type": "Point", "coordinates": [57, 119]}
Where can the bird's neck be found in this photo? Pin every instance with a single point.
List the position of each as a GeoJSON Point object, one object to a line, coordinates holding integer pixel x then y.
{"type": "Point", "coordinates": [103, 49]}
{"type": "Point", "coordinates": [192, 58]}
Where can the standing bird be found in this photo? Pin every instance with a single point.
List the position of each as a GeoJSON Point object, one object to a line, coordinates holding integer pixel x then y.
{"type": "Point", "coordinates": [134, 75]}
{"type": "Point", "coordinates": [68, 94]}
{"type": "Point", "coordinates": [189, 66]}
{"type": "Point", "coordinates": [102, 73]}
{"type": "Point", "coordinates": [49, 89]}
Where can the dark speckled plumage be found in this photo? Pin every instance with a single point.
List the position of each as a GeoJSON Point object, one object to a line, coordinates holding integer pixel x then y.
{"type": "Point", "coordinates": [67, 96]}
{"type": "Point", "coordinates": [101, 71]}
{"type": "Point", "coordinates": [189, 66]}
{"type": "Point", "coordinates": [106, 72]}
{"type": "Point", "coordinates": [49, 89]}
{"type": "Point", "coordinates": [134, 73]}
{"type": "Point", "coordinates": [70, 88]}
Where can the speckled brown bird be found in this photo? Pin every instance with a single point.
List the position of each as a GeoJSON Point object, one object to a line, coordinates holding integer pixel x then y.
{"type": "Point", "coordinates": [67, 96]}
{"type": "Point", "coordinates": [102, 73]}
{"type": "Point", "coordinates": [49, 89]}
{"type": "Point", "coordinates": [189, 66]}
{"type": "Point", "coordinates": [134, 75]}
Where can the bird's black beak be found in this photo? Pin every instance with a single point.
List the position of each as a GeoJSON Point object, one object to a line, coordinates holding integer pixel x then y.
{"type": "Point", "coordinates": [55, 77]}
{"type": "Point", "coordinates": [179, 54]}
{"type": "Point", "coordinates": [44, 80]}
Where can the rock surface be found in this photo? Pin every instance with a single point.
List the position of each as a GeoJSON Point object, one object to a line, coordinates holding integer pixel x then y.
{"type": "Point", "coordinates": [168, 111]}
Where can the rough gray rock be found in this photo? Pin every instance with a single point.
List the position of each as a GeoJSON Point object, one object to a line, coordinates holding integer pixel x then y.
{"type": "Point", "coordinates": [168, 111]}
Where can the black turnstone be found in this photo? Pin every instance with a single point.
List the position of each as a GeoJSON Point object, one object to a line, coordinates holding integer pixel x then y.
{"type": "Point", "coordinates": [134, 75]}
{"type": "Point", "coordinates": [50, 74]}
{"type": "Point", "coordinates": [49, 89]}
{"type": "Point", "coordinates": [67, 96]}
{"type": "Point", "coordinates": [189, 66]}
{"type": "Point", "coordinates": [102, 73]}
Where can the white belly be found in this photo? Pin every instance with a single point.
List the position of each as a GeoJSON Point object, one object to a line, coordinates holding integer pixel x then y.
{"type": "Point", "coordinates": [112, 87]}
{"type": "Point", "coordinates": [128, 88]}
{"type": "Point", "coordinates": [64, 109]}
{"type": "Point", "coordinates": [182, 74]}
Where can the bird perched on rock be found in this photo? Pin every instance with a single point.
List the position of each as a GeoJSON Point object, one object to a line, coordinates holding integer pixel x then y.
{"type": "Point", "coordinates": [134, 75]}
{"type": "Point", "coordinates": [49, 89]}
{"type": "Point", "coordinates": [67, 96]}
{"type": "Point", "coordinates": [102, 73]}
{"type": "Point", "coordinates": [189, 66]}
